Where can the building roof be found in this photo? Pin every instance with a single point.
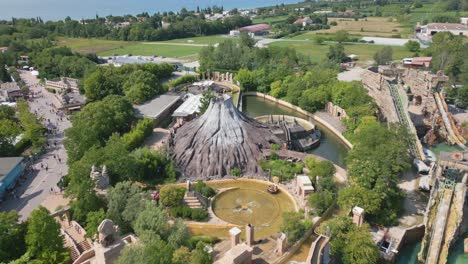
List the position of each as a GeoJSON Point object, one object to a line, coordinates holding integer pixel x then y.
{"type": "Point", "coordinates": [189, 107]}
{"type": "Point", "coordinates": [155, 107]}
{"type": "Point", "coordinates": [446, 26]}
{"type": "Point", "coordinates": [9, 86]}
{"type": "Point", "coordinates": [255, 28]}
{"type": "Point", "coordinates": [7, 164]}
{"type": "Point", "coordinates": [303, 180]}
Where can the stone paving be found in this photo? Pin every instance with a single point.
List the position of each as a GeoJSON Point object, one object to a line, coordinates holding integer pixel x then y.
{"type": "Point", "coordinates": [46, 171]}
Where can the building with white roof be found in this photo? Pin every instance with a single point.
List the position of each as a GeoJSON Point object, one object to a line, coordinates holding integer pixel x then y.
{"type": "Point", "coordinates": [188, 109]}
{"type": "Point", "coordinates": [303, 186]}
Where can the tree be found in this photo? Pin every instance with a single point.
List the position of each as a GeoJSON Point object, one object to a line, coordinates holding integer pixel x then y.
{"type": "Point", "coordinates": [171, 195]}
{"type": "Point", "coordinates": [336, 53]}
{"type": "Point", "coordinates": [246, 80]}
{"type": "Point", "coordinates": [9, 130]}
{"type": "Point", "coordinates": [7, 112]}
{"type": "Point", "coordinates": [124, 204]}
{"type": "Point", "coordinates": [290, 19]}
{"type": "Point", "coordinates": [152, 222]}
{"type": "Point", "coordinates": [321, 201]}
{"type": "Point", "coordinates": [319, 39]}
{"type": "Point", "coordinates": [93, 220]}
{"type": "Point", "coordinates": [200, 256]}
{"type": "Point", "coordinates": [360, 247]}
{"type": "Point", "coordinates": [322, 168]}
{"type": "Point", "coordinates": [12, 236]}
{"type": "Point", "coordinates": [292, 226]}
{"type": "Point", "coordinates": [181, 256]}
{"type": "Point", "coordinates": [413, 46]}
{"type": "Point", "coordinates": [341, 36]}
{"type": "Point", "coordinates": [383, 56]}
{"type": "Point", "coordinates": [179, 234]}
{"type": "Point", "coordinates": [246, 40]}
{"type": "Point", "coordinates": [141, 86]}
{"type": "Point", "coordinates": [43, 238]}
{"type": "Point", "coordinates": [95, 123]}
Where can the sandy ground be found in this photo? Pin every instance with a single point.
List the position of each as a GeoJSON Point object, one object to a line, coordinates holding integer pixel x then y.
{"type": "Point", "coordinates": [354, 74]}
{"type": "Point", "coordinates": [158, 139]}
{"type": "Point", "coordinates": [387, 41]}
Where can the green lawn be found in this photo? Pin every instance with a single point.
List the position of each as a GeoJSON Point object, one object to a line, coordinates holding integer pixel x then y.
{"type": "Point", "coordinates": [211, 40]}
{"type": "Point", "coordinates": [86, 46]}
{"type": "Point", "coordinates": [317, 53]}
{"type": "Point", "coordinates": [166, 50]}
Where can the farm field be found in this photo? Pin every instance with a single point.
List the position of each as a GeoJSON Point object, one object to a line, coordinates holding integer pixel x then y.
{"type": "Point", "coordinates": [371, 26]}
{"type": "Point", "coordinates": [267, 20]}
{"type": "Point", "coordinates": [317, 53]}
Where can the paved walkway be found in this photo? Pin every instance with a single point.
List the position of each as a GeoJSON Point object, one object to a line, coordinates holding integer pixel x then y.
{"type": "Point", "coordinates": [39, 182]}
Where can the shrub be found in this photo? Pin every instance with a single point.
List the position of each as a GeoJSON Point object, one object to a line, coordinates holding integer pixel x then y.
{"type": "Point", "coordinates": [181, 211]}
{"type": "Point", "coordinates": [172, 195]}
{"type": "Point", "coordinates": [182, 80]}
{"type": "Point", "coordinates": [193, 241]}
{"type": "Point", "coordinates": [333, 23]}
{"type": "Point", "coordinates": [204, 189]}
{"type": "Point", "coordinates": [236, 172]}
{"type": "Point", "coordinates": [199, 215]}
{"type": "Point", "coordinates": [137, 135]}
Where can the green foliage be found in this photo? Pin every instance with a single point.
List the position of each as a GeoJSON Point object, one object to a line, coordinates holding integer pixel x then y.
{"type": "Point", "coordinates": [413, 46]}
{"type": "Point", "coordinates": [275, 147]}
{"type": "Point", "coordinates": [336, 53]}
{"type": "Point", "coordinates": [185, 212]}
{"type": "Point", "coordinates": [124, 204]}
{"type": "Point", "coordinates": [383, 56]}
{"type": "Point", "coordinates": [246, 40]}
{"type": "Point", "coordinates": [349, 243]}
{"type": "Point", "coordinates": [61, 62]}
{"type": "Point", "coordinates": [138, 82]}
{"type": "Point", "coordinates": [153, 166]}
{"type": "Point", "coordinates": [138, 134]}
{"type": "Point", "coordinates": [172, 195]}
{"type": "Point", "coordinates": [322, 168]}
{"type": "Point", "coordinates": [12, 236]}
{"type": "Point", "coordinates": [141, 86]}
{"type": "Point", "coordinates": [448, 54]}
{"type": "Point", "coordinates": [246, 80]}
{"type": "Point", "coordinates": [293, 226]}
{"type": "Point", "coordinates": [379, 155]}
{"type": "Point", "coordinates": [341, 36]}
{"type": "Point", "coordinates": [95, 123]}
{"type": "Point", "coordinates": [206, 100]}
{"type": "Point", "coordinates": [281, 168]}
{"type": "Point", "coordinates": [181, 256]}
{"type": "Point", "coordinates": [4, 75]}
{"type": "Point", "coordinates": [236, 172]}
{"type": "Point", "coordinates": [33, 129]}
{"type": "Point", "coordinates": [204, 189]}
{"type": "Point", "coordinates": [194, 240]}
{"type": "Point", "coordinates": [152, 222]}
{"type": "Point", "coordinates": [43, 238]}
{"type": "Point", "coordinates": [321, 201]}
{"type": "Point", "coordinates": [93, 220]}
{"type": "Point", "coordinates": [183, 80]}
{"type": "Point", "coordinates": [9, 130]}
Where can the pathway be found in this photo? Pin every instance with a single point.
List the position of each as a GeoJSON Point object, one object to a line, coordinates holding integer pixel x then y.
{"type": "Point", "coordinates": [40, 182]}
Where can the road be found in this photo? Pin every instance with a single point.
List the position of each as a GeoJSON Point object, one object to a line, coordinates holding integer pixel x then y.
{"type": "Point", "coordinates": [37, 186]}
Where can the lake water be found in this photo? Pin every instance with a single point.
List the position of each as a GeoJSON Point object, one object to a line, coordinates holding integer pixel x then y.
{"type": "Point", "coordinates": [330, 146]}
{"type": "Point", "coordinates": [59, 9]}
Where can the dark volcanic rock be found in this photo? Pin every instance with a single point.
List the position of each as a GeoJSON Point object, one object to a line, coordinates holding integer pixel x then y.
{"type": "Point", "coordinates": [221, 139]}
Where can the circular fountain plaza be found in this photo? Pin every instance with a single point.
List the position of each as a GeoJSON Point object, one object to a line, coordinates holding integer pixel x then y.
{"type": "Point", "coordinates": [246, 201]}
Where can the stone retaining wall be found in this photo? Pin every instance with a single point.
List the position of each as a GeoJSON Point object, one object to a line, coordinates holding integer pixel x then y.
{"type": "Point", "coordinates": [306, 113]}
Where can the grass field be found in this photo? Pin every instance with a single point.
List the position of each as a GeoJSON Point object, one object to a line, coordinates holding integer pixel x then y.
{"type": "Point", "coordinates": [161, 48]}
{"type": "Point", "coordinates": [371, 26]}
{"type": "Point", "coordinates": [86, 46]}
{"type": "Point", "coordinates": [146, 49]}
{"type": "Point", "coordinates": [317, 53]}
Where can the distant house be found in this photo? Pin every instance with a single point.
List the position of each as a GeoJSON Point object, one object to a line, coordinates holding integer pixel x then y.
{"type": "Point", "coordinates": [10, 92]}
{"type": "Point", "coordinates": [434, 28]}
{"type": "Point", "coordinates": [3, 49]}
{"type": "Point", "coordinates": [303, 21]}
{"type": "Point", "coordinates": [417, 62]}
{"type": "Point", "coordinates": [11, 168]}
{"type": "Point", "coordinates": [63, 84]}
{"type": "Point", "coordinates": [258, 29]}
{"type": "Point", "coordinates": [464, 21]}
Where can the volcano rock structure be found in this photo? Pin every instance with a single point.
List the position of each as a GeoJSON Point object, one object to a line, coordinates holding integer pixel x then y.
{"type": "Point", "coordinates": [220, 140]}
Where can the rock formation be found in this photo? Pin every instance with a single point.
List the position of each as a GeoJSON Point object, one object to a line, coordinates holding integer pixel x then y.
{"type": "Point", "coordinates": [220, 140]}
